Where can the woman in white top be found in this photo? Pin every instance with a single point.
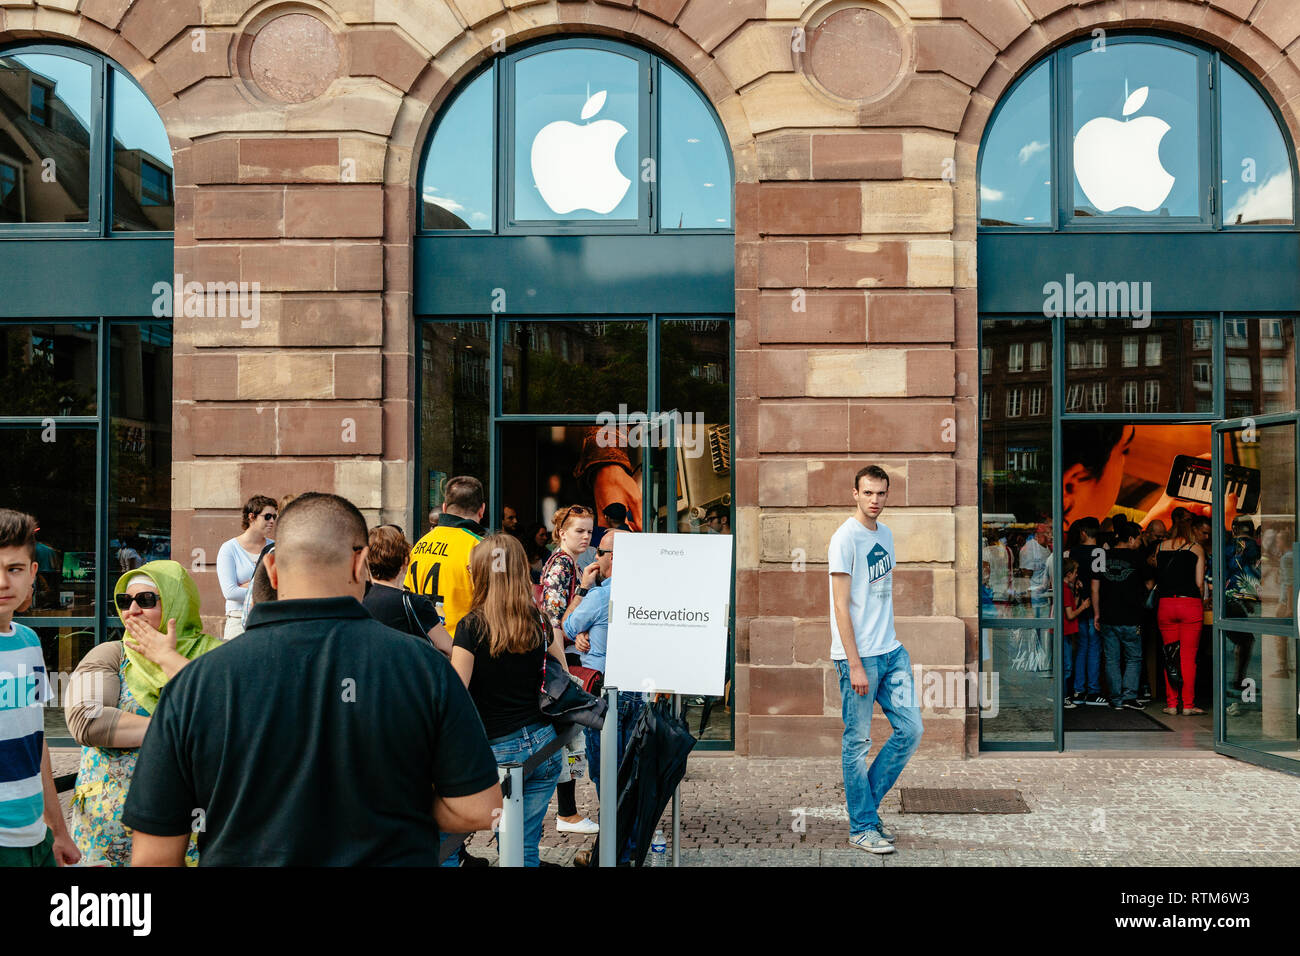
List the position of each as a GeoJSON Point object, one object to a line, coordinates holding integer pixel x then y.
{"type": "Point", "coordinates": [237, 558]}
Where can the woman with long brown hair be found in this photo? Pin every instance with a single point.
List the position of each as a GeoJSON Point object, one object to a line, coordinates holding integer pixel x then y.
{"type": "Point", "coordinates": [563, 588]}
{"type": "Point", "coordinates": [500, 653]}
{"type": "Point", "coordinates": [1180, 583]}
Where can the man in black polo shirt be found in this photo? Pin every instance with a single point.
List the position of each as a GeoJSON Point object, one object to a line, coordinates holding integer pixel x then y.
{"type": "Point", "coordinates": [320, 737]}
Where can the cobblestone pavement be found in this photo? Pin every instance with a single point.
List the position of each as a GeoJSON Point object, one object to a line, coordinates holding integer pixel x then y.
{"type": "Point", "coordinates": [1186, 809]}
{"type": "Point", "coordinates": [1178, 810]}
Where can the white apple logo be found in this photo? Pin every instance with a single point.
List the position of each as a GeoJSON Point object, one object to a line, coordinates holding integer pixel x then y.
{"type": "Point", "coordinates": [1118, 164]}
{"type": "Point", "coordinates": [574, 167]}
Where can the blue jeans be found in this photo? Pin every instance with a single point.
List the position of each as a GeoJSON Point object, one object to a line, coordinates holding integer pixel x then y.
{"type": "Point", "coordinates": [630, 705]}
{"type": "Point", "coordinates": [1125, 640]}
{"type": "Point", "coordinates": [889, 684]}
{"type": "Point", "coordinates": [1067, 663]}
{"type": "Point", "coordinates": [1087, 659]}
{"type": "Point", "coordinates": [539, 786]}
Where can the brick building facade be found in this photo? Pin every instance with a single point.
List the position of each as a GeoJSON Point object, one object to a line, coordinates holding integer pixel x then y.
{"type": "Point", "coordinates": [854, 126]}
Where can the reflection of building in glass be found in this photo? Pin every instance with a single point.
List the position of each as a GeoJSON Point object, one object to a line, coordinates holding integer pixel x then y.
{"type": "Point", "coordinates": [45, 161]}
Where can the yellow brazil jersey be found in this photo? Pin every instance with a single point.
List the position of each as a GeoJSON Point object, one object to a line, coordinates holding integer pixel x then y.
{"type": "Point", "coordinates": [440, 567]}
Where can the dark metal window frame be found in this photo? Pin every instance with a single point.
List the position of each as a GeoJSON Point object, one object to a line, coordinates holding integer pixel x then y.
{"type": "Point", "coordinates": [650, 121]}
{"type": "Point", "coordinates": [99, 202]}
{"type": "Point", "coordinates": [1059, 418]}
{"type": "Point", "coordinates": [653, 323]}
{"type": "Point", "coordinates": [101, 424]}
{"type": "Point", "coordinates": [1210, 161]}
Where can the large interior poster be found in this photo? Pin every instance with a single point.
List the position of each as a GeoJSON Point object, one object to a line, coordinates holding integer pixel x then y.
{"type": "Point", "coordinates": [1143, 472]}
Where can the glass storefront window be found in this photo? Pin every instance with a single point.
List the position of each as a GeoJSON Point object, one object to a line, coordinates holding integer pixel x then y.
{"type": "Point", "coordinates": [1016, 161]}
{"type": "Point", "coordinates": [47, 370]}
{"type": "Point", "coordinates": [50, 474]}
{"type": "Point", "coordinates": [1178, 350]}
{"type": "Point", "coordinates": [1136, 131]}
{"type": "Point", "coordinates": [1259, 552]}
{"type": "Point", "coordinates": [1260, 366]}
{"type": "Point", "coordinates": [577, 135]}
{"type": "Point", "coordinates": [1017, 703]}
{"type": "Point", "coordinates": [458, 179]}
{"type": "Point", "coordinates": [1257, 187]}
{"type": "Point", "coordinates": [694, 170]}
{"type": "Point", "coordinates": [47, 105]}
{"type": "Point", "coordinates": [579, 367]}
{"type": "Point", "coordinates": [142, 162]}
{"type": "Point", "coordinates": [1260, 692]}
{"type": "Point", "coordinates": [139, 447]}
{"type": "Point", "coordinates": [63, 648]}
{"type": "Point", "coordinates": [456, 381]}
{"type": "Point", "coordinates": [1016, 478]}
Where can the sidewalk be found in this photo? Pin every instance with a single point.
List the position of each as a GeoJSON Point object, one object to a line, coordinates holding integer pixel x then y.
{"type": "Point", "coordinates": [1181, 809]}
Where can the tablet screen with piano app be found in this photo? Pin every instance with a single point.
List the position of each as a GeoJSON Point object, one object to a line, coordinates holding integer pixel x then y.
{"type": "Point", "coordinates": [1190, 480]}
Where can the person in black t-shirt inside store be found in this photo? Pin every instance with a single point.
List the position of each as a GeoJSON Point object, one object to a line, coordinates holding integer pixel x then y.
{"type": "Point", "coordinates": [1119, 592]}
{"type": "Point", "coordinates": [500, 651]}
{"type": "Point", "coordinates": [387, 601]}
{"type": "Point", "coordinates": [1088, 554]}
{"type": "Point", "coordinates": [320, 737]}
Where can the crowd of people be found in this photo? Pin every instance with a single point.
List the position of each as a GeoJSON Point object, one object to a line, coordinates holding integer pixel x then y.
{"type": "Point", "coordinates": [380, 668]}
{"type": "Point", "coordinates": [1136, 601]}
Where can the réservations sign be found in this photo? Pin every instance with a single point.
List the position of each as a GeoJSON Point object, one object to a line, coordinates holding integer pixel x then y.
{"type": "Point", "coordinates": [669, 613]}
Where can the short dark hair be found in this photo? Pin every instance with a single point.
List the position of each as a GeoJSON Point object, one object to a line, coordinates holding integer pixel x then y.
{"type": "Point", "coordinates": [389, 550]}
{"type": "Point", "coordinates": [874, 472]}
{"type": "Point", "coordinates": [261, 585]}
{"type": "Point", "coordinates": [1088, 525]}
{"type": "Point", "coordinates": [463, 493]}
{"type": "Point", "coordinates": [18, 530]}
{"type": "Point", "coordinates": [254, 505]}
{"type": "Point", "coordinates": [1089, 445]}
{"type": "Point", "coordinates": [323, 529]}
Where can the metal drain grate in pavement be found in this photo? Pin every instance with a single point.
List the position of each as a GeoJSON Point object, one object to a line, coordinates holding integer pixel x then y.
{"type": "Point", "coordinates": [953, 800]}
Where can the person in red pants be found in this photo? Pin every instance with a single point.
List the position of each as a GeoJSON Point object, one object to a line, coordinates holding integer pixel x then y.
{"type": "Point", "coordinates": [1180, 580]}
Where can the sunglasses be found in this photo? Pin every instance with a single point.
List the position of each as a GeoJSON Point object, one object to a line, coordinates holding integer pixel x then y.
{"type": "Point", "coordinates": [604, 551]}
{"type": "Point", "coordinates": [270, 517]}
{"type": "Point", "coordinates": [146, 600]}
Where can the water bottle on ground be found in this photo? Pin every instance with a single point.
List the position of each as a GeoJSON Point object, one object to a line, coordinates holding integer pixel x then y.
{"type": "Point", "coordinates": [659, 849]}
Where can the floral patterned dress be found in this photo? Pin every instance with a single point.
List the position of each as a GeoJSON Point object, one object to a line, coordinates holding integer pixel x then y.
{"type": "Point", "coordinates": [100, 793]}
{"type": "Point", "coordinates": [559, 582]}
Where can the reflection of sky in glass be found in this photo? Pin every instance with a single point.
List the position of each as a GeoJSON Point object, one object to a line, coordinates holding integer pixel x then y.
{"type": "Point", "coordinates": [694, 175]}
{"type": "Point", "coordinates": [136, 124]}
{"type": "Point", "coordinates": [1256, 170]}
{"type": "Point", "coordinates": [553, 86]}
{"type": "Point", "coordinates": [1016, 166]}
{"type": "Point", "coordinates": [1103, 80]}
{"type": "Point", "coordinates": [458, 165]}
{"type": "Point", "coordinates": [70, 77]}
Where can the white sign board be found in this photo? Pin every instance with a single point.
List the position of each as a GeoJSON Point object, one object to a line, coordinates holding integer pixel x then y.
{"type": "Point", "coordinates": [668, 614]}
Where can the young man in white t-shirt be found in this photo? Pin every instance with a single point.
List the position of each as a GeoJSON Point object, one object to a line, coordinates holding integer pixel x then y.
{"type": "Point", "coordinates": [873, 666]}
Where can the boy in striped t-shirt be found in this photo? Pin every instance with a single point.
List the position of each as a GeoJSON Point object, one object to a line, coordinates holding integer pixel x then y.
{"type": "Point", "coordinates": [32, 830]}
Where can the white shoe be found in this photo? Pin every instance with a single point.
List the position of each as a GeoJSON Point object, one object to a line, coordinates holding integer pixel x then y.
{"type": "Point", "coordinates": [585, 825]}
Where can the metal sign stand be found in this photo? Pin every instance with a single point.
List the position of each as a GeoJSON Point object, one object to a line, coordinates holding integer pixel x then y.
{"type": "Point", "coordinates": [510, 835]}
{"type": "Point", "coordinates": [608, 790]}
{"type": "Point", "coordinates": [608, 794]}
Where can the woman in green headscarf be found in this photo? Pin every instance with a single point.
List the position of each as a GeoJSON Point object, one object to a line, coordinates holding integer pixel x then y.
{"type": "Point", "coordinates": [113, 692]}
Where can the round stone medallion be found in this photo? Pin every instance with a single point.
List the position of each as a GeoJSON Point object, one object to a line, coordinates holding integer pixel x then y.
{"type": "Point", "coordinates": [855, 53]}
{"type": "Point", "coordinates": [294, 58]}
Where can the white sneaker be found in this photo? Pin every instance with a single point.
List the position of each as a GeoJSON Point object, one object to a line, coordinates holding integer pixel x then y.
{"type": "Point", "coordinates": [585, 825]}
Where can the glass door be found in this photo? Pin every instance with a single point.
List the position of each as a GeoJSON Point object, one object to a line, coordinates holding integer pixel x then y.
{"type": "Point", "coordinates": [688, 490]}
{"type": "Point", "coordinates": [1254, 573]}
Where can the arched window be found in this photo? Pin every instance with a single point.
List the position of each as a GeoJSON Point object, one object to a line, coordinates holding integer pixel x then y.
{"type": "Point", "coordinates": [577, 135]}
{"type": "Point", "coordinates": [575, 268]}
{"type": "Point", "coordinates": [85, 354]}
{"type": "Point", "coordinates": [1124, 132]}
{"type": "Point", "coordinates": [1139, 320]}
{"type": "Point", "coordinates": [82, 150]}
